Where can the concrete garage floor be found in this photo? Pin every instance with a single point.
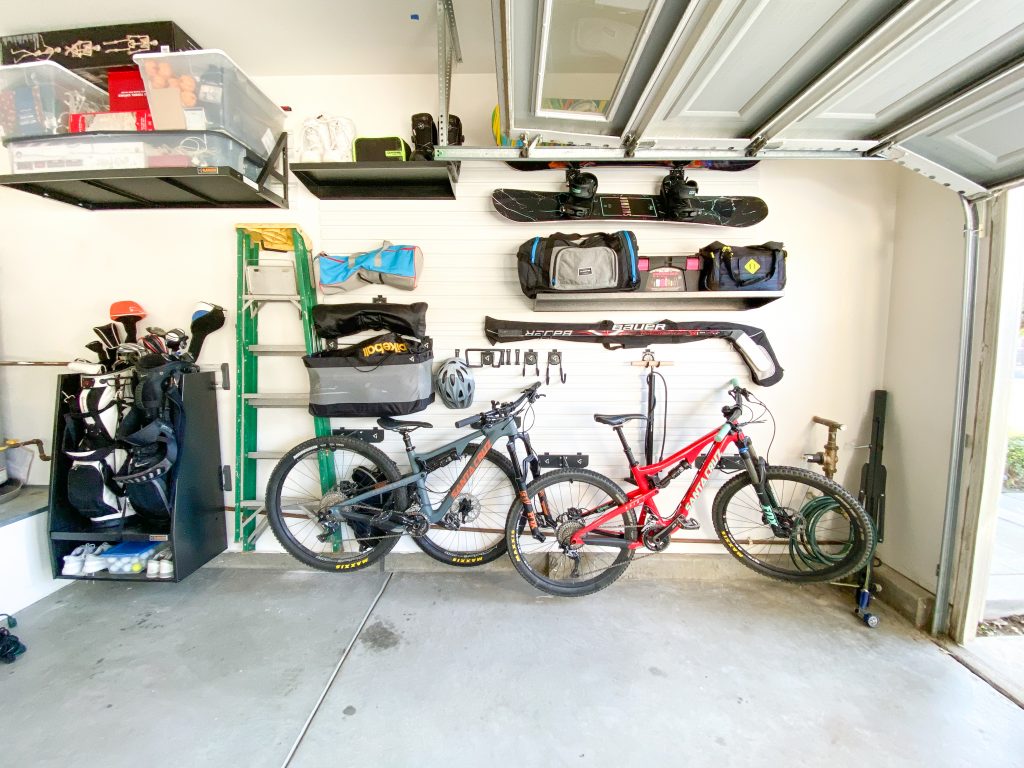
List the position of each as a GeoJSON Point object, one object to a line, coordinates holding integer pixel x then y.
{"type": "Point", "coordinates": [464, 669]}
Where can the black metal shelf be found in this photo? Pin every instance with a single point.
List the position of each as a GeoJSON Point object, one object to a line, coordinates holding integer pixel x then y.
{"type": "Point", "coordinates": [655, 300]}
{"type": "Point", "coordinates": [396, 180]}
{"type": "Point", "coordinates": [134, 530]}
{"type": "Point", "coordinates": [140, 188]}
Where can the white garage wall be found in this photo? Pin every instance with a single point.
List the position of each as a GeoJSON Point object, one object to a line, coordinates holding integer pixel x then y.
{"type": "Point", "coordinates": [60, 268]}
{"type": "Point", "coordinates": [920, 372]}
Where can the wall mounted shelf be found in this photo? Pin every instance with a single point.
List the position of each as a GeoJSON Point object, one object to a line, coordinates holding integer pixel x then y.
{"type": "Point", "coordinates": [654, 301]}
{"type": "Point", "coordinates": [187, 187]}
{"type": "Point", "coordinates": [410, 180]}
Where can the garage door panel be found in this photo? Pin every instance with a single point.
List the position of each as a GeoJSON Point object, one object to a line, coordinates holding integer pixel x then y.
{"type": "Point", "coordinates": [939, 50]}
{"type": "Point", "coordinates": [738, 61]}
{"type": "Point", "coordinates": [982, 139]}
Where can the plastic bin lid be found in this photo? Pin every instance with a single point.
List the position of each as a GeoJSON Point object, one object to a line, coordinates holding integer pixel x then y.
{"type": "Point", "coordinates": [138, 58]}
{"type": "Point", "coordinates": [130, 549]}
{"type": "Point", "coordinates": [10, 71]}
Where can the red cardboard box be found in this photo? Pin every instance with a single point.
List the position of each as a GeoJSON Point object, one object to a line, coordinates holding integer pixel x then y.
{"type": "Point", "coordinates": [137, 120]}
{"type": "Point", "coordinates": [127, 91]}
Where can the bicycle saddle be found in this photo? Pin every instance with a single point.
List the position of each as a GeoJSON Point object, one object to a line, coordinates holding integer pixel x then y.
{"type": "Point", "coordinates": [613, 420]}
{"type": "Point", "coordinates": [400, 426]}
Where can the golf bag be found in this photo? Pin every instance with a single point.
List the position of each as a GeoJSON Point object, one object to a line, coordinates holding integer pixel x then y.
{"type": "Point", "coordinates": [90, 429]}
{"type": "Point", "coordinates": [150, 432]}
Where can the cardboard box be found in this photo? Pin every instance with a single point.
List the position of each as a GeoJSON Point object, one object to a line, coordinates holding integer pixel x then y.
{"type": "Point", "coordinates": [137, 120]}
{"type": "Point", "coordinates": [126, 89]}
{"type": "Point", "coordinates": [91, 51]}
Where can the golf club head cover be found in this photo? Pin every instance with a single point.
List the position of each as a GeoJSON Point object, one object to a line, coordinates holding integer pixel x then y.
{"type": "Point", "coordinates": [109, 335]}
{"type": "Point", "coordinates": [128, 314]}
{"type": "Point", "coordinates": [206, 318]}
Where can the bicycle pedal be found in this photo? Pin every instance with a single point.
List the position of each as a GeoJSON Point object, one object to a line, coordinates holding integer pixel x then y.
{"type": "Point", "coordinates": [690, 524]}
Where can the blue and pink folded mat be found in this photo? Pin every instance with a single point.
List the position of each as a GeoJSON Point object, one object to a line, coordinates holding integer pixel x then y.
{"type": "Point", "coordinates": [395, 265]}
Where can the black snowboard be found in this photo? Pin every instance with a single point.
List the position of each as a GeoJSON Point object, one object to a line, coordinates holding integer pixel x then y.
{"type": "Point", "coordinates": [527, 205]}
{"type": "Point", "coordinates": [708, 165]}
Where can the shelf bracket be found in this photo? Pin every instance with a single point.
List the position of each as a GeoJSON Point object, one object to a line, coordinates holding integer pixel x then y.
{"type": "Point", "coordinates": [449, 52]}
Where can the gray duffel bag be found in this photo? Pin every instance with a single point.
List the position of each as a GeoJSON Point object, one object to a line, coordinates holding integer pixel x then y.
{"type": "Point", "coordinates": [387, 375]}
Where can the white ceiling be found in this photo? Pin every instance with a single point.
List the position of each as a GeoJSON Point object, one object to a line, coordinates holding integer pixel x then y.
{"type": "Point", "coordinates": [289, 37]}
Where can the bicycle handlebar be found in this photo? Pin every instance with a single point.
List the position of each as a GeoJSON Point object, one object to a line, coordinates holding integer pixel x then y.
{"type": "Point", "coordinates": [737, 392]}
{"type": "Point", "coordinates": [504, 410]}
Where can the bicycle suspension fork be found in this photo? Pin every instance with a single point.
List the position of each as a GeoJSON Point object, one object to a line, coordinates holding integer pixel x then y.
{"type": "Point", "coordinates": [757, 472]}
{"type": "Point", "coordinates": [529, 464]}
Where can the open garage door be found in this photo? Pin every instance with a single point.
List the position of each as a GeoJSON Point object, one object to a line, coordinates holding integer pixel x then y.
{"type": "Point", "coordinates": [937, 85]}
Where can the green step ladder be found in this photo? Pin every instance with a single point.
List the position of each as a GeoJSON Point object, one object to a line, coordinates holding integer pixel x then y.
{"type": "Point", "coordinates": [255, 272]}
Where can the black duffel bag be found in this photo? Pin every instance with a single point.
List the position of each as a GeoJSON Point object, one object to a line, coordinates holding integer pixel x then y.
{"type": "Point", "coordinates": [333, 321]}
{"type": "Point", "coordinates": [742, 267]}
{"type": "Point", "coordinates": [579, 263]}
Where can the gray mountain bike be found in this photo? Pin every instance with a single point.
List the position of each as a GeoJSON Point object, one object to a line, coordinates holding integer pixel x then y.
{"type": "Point", "coordinates": [339, 504]}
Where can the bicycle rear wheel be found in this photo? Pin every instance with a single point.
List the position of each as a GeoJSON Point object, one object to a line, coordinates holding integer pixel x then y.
{"type": "Point", "coordinates": [822, 533]}
{"type": "Point", "coordinates": [565, 502]}
{"type": "Point", "coordinates": [473, 531]}
{"type": "Point", "coordinates": [319, 474]}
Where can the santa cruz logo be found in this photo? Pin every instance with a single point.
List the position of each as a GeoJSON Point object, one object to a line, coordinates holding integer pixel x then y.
{"type": "Point", "coordinates": [705, 473]}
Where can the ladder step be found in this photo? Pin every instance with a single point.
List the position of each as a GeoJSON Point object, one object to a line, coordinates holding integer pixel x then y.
{"type": "Point", "coordinates": [274, 455]}
{"type": "Point", "coordinates": [271, 296]}
{"type": "Point", "coordinates": [252, 504]}
{"type": "Point", "coordinates": [277, 399]}
{"type": "Point", "coordinates": [267, 350]}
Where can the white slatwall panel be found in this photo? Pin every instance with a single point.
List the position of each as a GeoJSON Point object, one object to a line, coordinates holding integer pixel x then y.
{"type": "Point", "coordinates": [469, 272]}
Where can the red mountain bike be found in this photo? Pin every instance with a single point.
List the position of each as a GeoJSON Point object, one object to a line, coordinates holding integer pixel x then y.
{"type": "Point", "coordinates": [577, 531]}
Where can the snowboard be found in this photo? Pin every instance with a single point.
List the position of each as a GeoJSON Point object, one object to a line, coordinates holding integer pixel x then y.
{"type": "Point", "coordinates": [526, 205]}
{"type": "Point", "coordinates": [708, 165]}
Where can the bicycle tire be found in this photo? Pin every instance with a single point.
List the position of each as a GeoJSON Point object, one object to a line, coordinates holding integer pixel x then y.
{"type": "Point", "coordinates": [518, 538]}
{"type": "Point", "coordinates": [860, 541]}
{"type": "Point", "coordinates": [470, 558]}
{"type": "Point", "coordinates": [388, 471]}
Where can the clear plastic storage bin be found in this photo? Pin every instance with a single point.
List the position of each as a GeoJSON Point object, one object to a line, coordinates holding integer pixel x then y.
{"type": "Point", "coordinates": [130, 557]}
{"type": "Point", "coordinates": [205, 90]}
{"type": "Point", "coordinates": [143, 149]}
{"type": "Point", "coordinates": [36, 99]}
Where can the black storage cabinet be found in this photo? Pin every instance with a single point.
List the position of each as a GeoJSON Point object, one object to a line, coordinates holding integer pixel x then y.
{"type": "Point", "coordinates": [197, 530]}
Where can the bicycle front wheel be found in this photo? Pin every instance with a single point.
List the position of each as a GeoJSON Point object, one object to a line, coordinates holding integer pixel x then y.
{"type": "Point", "coordinates": [821, 533]}
{"type": "Point", "coordinates": [564, 502]}
{"type": "Point", "coordinates": [473, 530]}
{"type": "Point", "coordinates": [318, 475]}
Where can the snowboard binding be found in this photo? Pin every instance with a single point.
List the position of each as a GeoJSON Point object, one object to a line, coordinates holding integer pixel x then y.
{"type": "Point", "coordinates": [678, 193]}
{"type": "Point", "coordinates": [578, 203]}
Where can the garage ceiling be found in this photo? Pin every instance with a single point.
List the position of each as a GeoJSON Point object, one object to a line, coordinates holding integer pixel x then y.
{"type": "Point", "coordinates": [935, 84]}
{"type": "Point", "coordinates": [298, 37]}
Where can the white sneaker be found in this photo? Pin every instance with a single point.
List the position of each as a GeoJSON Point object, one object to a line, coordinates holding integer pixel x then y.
{"type": "Point", "coordinates": [339, 133]}
{"type": "Point", "coordinates": [167, 565]}
{"type": "Point", "coordinates": [74, 562]}
{"type": "Point", "coordinates": [95, 561]}
{"type": "Point", "coordinates": [312, 142]}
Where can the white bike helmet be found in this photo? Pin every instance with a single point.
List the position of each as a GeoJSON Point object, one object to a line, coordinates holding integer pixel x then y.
{"type": "Point", "coordinates": [454, 383]}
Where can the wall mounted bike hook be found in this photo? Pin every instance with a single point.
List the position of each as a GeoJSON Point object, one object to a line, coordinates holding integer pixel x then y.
{"type": "Point", "coordinates": [554, 358]}
{"type": "Point", "coordinates": [530, 357]}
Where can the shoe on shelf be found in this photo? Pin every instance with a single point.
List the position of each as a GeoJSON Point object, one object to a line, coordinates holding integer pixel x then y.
{"type": "Point", "coordinates": [75, 562]}
{"type": "Point", "coordinates": [337, 134]}
{"type": "Point", "coordinates": [153, 564]}
{"type": "Point", "coordinates": [312, 141]}
{"type": "Point", "coordinates": [167, 565]}
{"type": "Point", "coordinates": [95, 561]}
